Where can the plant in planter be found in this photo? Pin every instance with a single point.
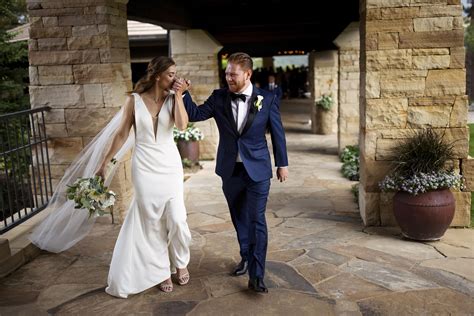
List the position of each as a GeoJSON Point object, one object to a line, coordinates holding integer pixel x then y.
{"type": "Point", "coordinates": [350, 162]}
{"type": "Point", "coordinates": [423, 204]}
{"type": "Point", "coordinates": [324, 116]}
{"type": "Point", "coordinates": [325, 102]}
{"type": "Point", "coordinates": [188, 142]}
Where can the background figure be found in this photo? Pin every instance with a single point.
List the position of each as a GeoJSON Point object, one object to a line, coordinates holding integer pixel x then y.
{"type": "Point", "coordinates": [273, 87]}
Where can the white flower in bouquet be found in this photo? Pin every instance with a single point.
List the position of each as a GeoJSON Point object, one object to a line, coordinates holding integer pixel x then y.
{"type": "Point", "coordinates": [91, 194]}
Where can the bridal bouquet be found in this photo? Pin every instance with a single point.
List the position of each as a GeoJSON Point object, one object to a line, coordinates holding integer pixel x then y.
{"type": "Point", "coordinates": [91, 194]}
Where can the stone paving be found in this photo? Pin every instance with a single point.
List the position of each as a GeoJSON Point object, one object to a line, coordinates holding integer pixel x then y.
{"type": "Point", "coordinates": [321, 259]}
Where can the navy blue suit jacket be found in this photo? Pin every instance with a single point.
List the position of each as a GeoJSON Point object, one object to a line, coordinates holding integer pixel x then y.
{"type": "Point", "coordinates": [251, 143]}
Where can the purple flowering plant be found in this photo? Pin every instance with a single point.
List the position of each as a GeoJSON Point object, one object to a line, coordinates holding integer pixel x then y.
{"type": "Point", "coordinates": [421, 164]}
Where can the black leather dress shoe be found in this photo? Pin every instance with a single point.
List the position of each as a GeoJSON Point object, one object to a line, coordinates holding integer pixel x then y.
{"type": "Point", "coordinates": [241, 268]}
{"type": "Point", "coordinates": [257, 285]}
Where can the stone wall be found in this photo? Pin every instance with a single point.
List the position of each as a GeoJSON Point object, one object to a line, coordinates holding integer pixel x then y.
{"type": "Point", "coordinates": [412, 76]}
{"type": "Point", "coordinates": [470, 75]}
{"type": "Point", "coordinates": [195, 54]}
{"type": "Point", "coordinates": [80, 67]}
{"type": "Point", "coordinates": [323, 77]}
{"type": "Point", "coordinates": [348, 120]}
{"type": "Point", "coordinates": [470, 65]}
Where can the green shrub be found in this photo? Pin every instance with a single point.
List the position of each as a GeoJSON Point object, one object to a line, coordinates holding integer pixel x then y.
{"type": "Point", "coordinates": [13, 59]}
{"type": "Point", "coordinates": [350, 162]}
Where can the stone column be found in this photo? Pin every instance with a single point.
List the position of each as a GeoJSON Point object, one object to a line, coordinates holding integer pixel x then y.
{"type": "Point", "coordinates": [323, 71]}
{"type": "Point", "coordinates": [348, 120]}
{"type": "Point", "coordinates": [470, 64]}
{"type": "Point", "coordinates": [412, 76]}
{"type": "Point", "coordinates": [80, 67]}
{"type": "Point", "coordinates": [195, 54]}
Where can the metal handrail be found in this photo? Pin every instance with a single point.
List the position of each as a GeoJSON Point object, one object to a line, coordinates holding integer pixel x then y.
{"type": "Point", "coordinates": [30, 111]}
{"type": "Point", "coordinates": [25, 178]}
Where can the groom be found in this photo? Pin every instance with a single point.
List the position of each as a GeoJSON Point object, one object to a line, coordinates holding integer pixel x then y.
{"type": "Point", "coordinates": [244, 113]}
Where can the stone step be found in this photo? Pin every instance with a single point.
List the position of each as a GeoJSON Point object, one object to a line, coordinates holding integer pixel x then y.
{"type": "Point", "coordinates": [15, 247]}
{"type": "Point", "coordinates": [20, 251]}
{"type": "Point", "coordinates": [10, 264]}
{"type": "Point", "coordinates": [4, 248]}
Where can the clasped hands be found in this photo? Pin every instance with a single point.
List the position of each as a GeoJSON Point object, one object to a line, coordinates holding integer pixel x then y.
{"type": "Point", "coordinates": [181, 84]}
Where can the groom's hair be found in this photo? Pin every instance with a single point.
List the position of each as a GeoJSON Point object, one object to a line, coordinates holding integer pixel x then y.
{"type": "Point", "coordinates": [242, 59]}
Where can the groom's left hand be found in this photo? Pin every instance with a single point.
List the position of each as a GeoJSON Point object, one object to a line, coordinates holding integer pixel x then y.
{"type": "Point", "coordinates": [282, 173]}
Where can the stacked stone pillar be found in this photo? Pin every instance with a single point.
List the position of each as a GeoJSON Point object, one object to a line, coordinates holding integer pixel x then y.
{"type": "Point", "coordinates": [195, 54]}
{"type": "Point", "coordinates": [348, 120]}
{"type": "Point", "coordinates": [80, 67]}
{"type": "Point", "coordinates": [412, 76]}
{"type": "Point", "coordinates": [323, 78]}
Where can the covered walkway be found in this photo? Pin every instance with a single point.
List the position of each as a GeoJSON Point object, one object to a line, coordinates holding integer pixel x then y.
{"type": "Point", "coordinates": [321, 259]}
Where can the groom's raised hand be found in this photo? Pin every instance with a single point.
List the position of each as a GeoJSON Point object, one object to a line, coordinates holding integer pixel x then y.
{"type": "Point", "coordinates": [282, 173]}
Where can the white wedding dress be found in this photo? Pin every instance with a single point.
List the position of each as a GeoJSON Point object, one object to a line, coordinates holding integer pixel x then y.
{"type": "Point", "coordinates": [154, 238]}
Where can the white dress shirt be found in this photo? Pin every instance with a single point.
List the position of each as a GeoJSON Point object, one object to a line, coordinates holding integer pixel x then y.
{"type": "Point", "coordinates": [243, 111]}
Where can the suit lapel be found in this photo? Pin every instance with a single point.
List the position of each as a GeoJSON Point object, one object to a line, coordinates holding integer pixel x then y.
{"type": "Point", "coordinates": [252, 111]}
{"type": "Point", "coordinates": [228, 113]}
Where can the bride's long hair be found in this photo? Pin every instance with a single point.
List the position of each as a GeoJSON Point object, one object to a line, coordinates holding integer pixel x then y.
{"type": "Point", "coordinates": [156, 67]}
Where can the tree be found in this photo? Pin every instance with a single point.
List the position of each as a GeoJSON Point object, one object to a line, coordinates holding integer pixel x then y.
{"type": "Point", "coordinates": [469, 37]}
{"type": "Point", "coordinates": [13, 97]}
{"type": "Point", "coordinates": [13, 58]}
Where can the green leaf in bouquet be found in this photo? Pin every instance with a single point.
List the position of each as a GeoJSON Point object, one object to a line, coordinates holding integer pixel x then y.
{"type": "Point", "coordinates": [85, 203]}
{"type": "Point", "coordinates": [99, 179]}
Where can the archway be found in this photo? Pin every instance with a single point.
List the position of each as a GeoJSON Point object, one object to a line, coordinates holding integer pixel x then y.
{"type": "Point", "coordinates": [411, 63]}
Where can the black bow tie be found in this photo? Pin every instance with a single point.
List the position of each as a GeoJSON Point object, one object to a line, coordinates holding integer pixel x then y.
{"type": "Point", "coordinates": [234, 96]}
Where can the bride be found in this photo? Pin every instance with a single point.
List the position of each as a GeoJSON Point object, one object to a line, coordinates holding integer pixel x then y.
{"type": "Point", "coordinates": [154, 239]}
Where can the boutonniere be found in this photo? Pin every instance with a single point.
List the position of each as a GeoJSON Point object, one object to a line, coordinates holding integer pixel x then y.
{"type": "Point", "coordinates": [258, 102]}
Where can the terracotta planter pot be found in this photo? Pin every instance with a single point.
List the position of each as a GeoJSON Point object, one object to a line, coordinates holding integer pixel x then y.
{"type": "Point", "coordinates": [426, 216]}
{"type": "Point", "coordinates": [189, 150]}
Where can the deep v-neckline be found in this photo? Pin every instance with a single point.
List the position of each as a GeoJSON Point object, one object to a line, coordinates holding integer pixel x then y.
{"type": "Point", "coordinates": [154, 126]}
